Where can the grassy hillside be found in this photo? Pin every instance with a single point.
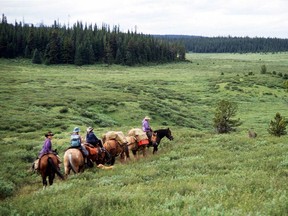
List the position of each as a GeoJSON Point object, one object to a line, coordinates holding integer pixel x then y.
{"type": "Point", "coordinates": [199, 173]}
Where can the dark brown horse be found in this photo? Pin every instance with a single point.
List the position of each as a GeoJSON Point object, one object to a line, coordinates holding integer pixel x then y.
{"type": "Point", "coordinates": [48, 167]}
{"type": "Point", "coordinates": [96, 155]}
{"type": "Point", "coordinates": [159, 135]}
{"type": "Point", "coordinates": [115, 149]}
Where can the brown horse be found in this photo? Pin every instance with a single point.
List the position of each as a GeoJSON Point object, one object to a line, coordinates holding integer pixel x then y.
{"type": "Point", "coordinates": [96, 154]}
{"type": "Point", "coordinates": [48, 166]}
{"type": "Point", "coordinates": [115, 149]}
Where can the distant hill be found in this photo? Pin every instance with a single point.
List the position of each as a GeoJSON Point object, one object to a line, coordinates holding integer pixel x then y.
{"type": "Point", "coordinates": [201, 44]}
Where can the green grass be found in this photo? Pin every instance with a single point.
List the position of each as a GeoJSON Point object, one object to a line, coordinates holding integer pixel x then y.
{"type": "Point", "coordinates": [199, 173]}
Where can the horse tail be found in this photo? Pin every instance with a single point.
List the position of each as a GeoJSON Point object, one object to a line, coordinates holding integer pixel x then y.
{"type": "Point", "coordinates": [55, 168]}
{"type": "Point", "coordinates": [71, 163]}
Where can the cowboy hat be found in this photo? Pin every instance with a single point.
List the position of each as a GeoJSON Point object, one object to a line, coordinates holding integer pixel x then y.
{"type": "Point", "coordinates": [147, 118]}
{"type": "Point", "coordinates": [49, 134]}
{"type": "Point", "coordinates": [89, 129]}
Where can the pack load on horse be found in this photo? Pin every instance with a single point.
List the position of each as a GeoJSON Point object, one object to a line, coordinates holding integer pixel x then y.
{"type": "Point", "coordinates": [137, 141]}
{"type": "Point", "coordinates": [116, 144]}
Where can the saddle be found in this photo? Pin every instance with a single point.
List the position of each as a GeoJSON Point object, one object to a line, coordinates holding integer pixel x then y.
{"type": "Point", "coordinates": [91, 149]}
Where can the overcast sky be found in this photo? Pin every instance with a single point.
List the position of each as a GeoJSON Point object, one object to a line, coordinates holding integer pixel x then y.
{"type": "Point", "coordinates": [252, 18]}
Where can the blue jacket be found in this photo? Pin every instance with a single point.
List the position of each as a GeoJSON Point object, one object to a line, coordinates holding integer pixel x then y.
{"type": "Point", "coordinates": [91, 138]}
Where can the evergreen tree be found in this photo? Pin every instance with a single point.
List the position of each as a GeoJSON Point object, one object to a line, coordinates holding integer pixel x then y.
{"type": "Point", "coordinates": [108, 54]}
{"type": "Point", "coordinates": [36, 59]}
{"type": "Point", "coordinates": [79, 58]}
{"type": "Point", "coordinates": [27, 53]}
{"type": "Point", "coordinates": [278, 126]}
{"type": "Point", "coordinates": [68, 51]}
{"type": "Point", "coordinates": [53, 49]}
{"type": "Point", "coordinates": [223, 123]}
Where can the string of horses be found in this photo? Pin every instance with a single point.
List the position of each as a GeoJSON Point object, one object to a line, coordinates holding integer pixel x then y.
{"type": "Point", "coordinates": [114, 142]}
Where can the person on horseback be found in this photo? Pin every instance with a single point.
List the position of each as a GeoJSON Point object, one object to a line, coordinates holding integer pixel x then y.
{"type": "Point", "coordinates": [46, 149]}
{"type": "Point", "coordinates": [92, 139]}
{"type": "Point", "coordinates": [146, 127]}
{"type": "Point", "coordinates": [47, 146]}
{"type": "Point", "coordinates": [76, 142]}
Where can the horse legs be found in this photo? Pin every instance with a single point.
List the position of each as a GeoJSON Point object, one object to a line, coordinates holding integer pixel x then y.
{"type": "Point", "coordinates": [122, 157]}
{"type": "Point", "coordinates": [136, 156]}
{"type": "Point", "coordinates": [126, 151]}
{"type": "Point", "coordinates": [155, 148]}
{"type": "Point", "coordinates": [144, 151]}
{"type": "Point", "coordinates": [44, 181]}
{"type": "Point", "coordinates": [112, 161]}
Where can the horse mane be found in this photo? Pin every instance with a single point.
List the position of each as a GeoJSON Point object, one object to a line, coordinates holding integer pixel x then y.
{"type": "Point", "coordinates": [161, 130]}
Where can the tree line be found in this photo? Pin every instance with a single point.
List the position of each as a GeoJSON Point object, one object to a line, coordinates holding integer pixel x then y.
{"type": "Point", "coordinates": [84, 44]}
{"type": "Point", "coordinates": [229, 44]}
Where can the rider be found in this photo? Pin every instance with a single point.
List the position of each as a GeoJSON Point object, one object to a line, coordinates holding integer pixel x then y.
{"type": "Point", "coordinates": [46, 148]}
{"type": "Point", "coordinates": [146, 127]}
{"type": "Point", "coordinates": [92, 139]}
{"type": "Point", "coordinates": [76, 141]}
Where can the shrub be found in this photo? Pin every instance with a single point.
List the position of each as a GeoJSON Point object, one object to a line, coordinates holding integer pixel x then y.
{"type": "Point", "coordinates": [278, 126]}
{"type": "Point", "coordinates": [64, 110]}
{"type": "Point", "coordinates": [263, 69]}
{"type": "Point", "coordinates": [286, 84]}
{"type": "Point", "coordinates": [222, 119]}
{"type": "Point", "coordinates": [6, 189]}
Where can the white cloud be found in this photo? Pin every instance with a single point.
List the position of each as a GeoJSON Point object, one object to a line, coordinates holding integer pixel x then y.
{"type": "Point", "coordinates": [263, 18]}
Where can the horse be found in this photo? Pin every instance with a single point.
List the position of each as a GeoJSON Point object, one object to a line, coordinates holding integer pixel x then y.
{"type": "Point", "coordinates": [48, 167]}
{"type": "Point", "coordinates": [73, 160]}
{"type": "Point", "coordinates": [137, 141]}
{"type": "Point", "coordinates": [96, 154]}
{"type": "Point", "coordinates": [115, 149]}
{"type": "Point", "coordinates": [160, 133]}
{"type": "Point", "coordinates": [134, 146]}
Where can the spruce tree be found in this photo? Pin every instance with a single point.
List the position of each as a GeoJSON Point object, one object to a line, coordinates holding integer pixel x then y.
{"type": "Point", "coordinates": [36, 59]}
{"type": "Point", "coordinates": [278, 126]}
{"type": "Point", "coordinates": [223, 122]}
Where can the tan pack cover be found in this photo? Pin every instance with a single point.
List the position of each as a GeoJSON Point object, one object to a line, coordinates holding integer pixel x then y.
{"type": "Point", "coordinates": [138, 133]}
{"type": "Point", "coordinates": [117, 135]}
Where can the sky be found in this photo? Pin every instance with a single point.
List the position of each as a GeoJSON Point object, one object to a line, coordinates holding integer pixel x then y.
{"type": "Point", "coordinates": [212, 18]}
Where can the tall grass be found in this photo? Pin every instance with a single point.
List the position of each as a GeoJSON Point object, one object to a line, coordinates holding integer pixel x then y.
{"type": "Point", "coordinates": [199, 173]}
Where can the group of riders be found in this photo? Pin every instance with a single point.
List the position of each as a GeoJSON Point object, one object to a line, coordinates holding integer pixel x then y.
{"type": "Point", "coordinates": [76, 141]}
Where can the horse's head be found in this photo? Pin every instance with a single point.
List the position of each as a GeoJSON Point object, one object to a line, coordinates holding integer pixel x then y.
{"type": "Point", "coordinates": [154, 137]}
{"type": "Point", "coordinates": [169, 134]}
{"type": "Point", "coordinates": [55, 152]}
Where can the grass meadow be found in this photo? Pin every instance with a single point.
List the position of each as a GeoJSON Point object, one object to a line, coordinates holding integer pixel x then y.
{"type": "Point", "coordinates": [199, 173]}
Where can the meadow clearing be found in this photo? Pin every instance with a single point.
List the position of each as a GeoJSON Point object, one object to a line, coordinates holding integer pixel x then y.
{"type": "Point", "coordinates": [199, 173]}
